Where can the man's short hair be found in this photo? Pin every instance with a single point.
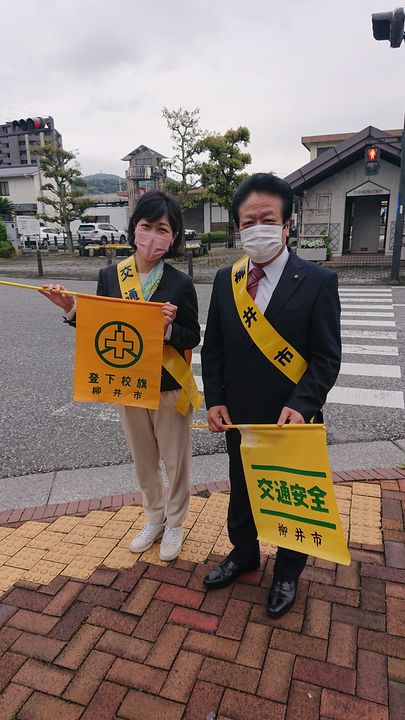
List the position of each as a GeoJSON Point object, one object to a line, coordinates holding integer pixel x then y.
{"type": "Point", "coordinates": [263, 183]}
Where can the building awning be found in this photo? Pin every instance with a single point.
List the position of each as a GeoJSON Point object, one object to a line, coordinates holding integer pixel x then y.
{"type": "Point", "coordinates": [344, 154]}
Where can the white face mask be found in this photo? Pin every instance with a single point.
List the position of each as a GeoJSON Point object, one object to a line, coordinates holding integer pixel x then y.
{"type": "Point", "coordinates": [262, 242]}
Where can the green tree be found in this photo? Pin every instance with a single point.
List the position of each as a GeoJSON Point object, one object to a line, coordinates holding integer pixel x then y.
{"type": "Point", "coordinates": [6, 247]}
{"type": "Point", "coordinates": [186, 133]}
{"type": "Point", "coordinates": [6, 207]}
{"type": "Point", "coordinates": [65, 197]}
{"type": "Point", "coordinates": [222, 173]}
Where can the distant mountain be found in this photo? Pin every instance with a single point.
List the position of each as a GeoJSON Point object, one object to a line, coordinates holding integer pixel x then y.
{"type": "Point", "coordinates": [102, 183]}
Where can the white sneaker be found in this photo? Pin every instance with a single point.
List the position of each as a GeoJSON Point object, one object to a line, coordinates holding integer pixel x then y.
{"type": "Point", "coordinates": [146, 537]}
{"type": "Point", "coordinates": [172, 541]}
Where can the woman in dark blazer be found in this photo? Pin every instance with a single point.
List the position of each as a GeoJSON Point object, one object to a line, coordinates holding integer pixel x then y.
{"type": "Point", "coordinates": [155, 232]}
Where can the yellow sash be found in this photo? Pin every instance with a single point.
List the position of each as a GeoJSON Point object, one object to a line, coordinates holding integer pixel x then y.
{"type": "Point", "coordinates": [173, 362]}
{"type": "Point", "coordinates": [280, 352]}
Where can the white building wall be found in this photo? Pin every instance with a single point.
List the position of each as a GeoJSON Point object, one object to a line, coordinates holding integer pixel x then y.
{"type": "Point", "coordinates": [336, 187]}
{"type": "Point", "coordinates": [117, 215]}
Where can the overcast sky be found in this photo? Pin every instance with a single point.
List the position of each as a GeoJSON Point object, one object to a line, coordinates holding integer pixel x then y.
{"type": "Point", "coordinates": [284, 68]}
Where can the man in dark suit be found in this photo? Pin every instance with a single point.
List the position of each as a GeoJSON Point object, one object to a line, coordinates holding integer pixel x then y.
{"type": "Point", "coordinates": [300, 301]}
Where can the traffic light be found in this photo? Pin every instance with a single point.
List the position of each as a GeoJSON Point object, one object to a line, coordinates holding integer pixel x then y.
{"type": "Point", "coordinates": [389, 26]}
{"type": "Point", "coordinates": [30, 124]}
{"type": "Point", "coordinates": [372, 160]}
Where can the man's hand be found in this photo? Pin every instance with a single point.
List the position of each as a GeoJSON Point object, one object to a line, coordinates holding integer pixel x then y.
{"type": "Point", "coordinates": [169, 314]}
{"type": "Point", "coordinates": [217, 417]}
{"type": "Point", "coordinates": [288, 415]}
{"type": "Point", "coordinates": [66, 302]}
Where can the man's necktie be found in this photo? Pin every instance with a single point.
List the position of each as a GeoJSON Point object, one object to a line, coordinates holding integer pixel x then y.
{"type": "Point", "coordinates": [255, 275]}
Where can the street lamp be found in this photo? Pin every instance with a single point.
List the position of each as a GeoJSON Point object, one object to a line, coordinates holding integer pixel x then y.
{"type": "Point", "coordinates": [390, 26]}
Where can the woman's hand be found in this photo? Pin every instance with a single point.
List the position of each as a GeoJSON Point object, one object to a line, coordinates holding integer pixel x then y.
{"type": "Point", "coordinates": [66, 302]}
{"type": "Point", "coordinates": [169, 314]}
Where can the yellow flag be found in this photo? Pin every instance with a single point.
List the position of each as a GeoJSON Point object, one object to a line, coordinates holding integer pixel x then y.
{"type": "Point", "coordinates": [291, 491]}
{"type": "Point", "coordinates": [119, 347]}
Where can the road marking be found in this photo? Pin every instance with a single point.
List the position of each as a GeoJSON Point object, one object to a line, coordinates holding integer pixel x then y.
{"type": "Point", "coordinates": [366, 307]}
{"type": "Point", "coordinates": [372, 302]}
{"type": "Point", "coordinates": [361, 290]}
{"type": "Point", "coordinates": [399, 304]}
{"type": "Point", "coordinates": [370, 349]}
{"type": "Point", "coordinates": [380, 323]}
{"type": "Point", "coordinates": [363, 396]}
{"type": "Point", "coordinates": [362, 313]}
{"type": "Point", "coordinates": [370, 370]}
{"type": "Point", "coordinates": [370, 334]}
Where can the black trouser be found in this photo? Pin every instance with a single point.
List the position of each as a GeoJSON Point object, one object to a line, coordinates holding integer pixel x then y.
{"type": "Point", "coordinates": [241, 526]}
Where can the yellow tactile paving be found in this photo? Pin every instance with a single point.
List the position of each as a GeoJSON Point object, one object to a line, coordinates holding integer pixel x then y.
{"type": "Point", "coordinates": [97, 517]}
{"type": "Point", "coordinates": [9, 575]}
{"type": "Point", "coordinates": [343, 491]}
{"type": "Point", "coordinates": [99, 547]}
{"type": "Point", "coordinates": [368, 489]}
{"type": "Point", "coordinates": [30, 529]}
{"type": "Point", "coordinates": [64, 524]}
{"type": "Point", "coordinates": [190, 520]}
{"type": "Point", "coordinates": [46, 540]}
{"type": "Point", "coordinates": [4, 531]}
{"type": "Point", "coordinates": [128, 512]}
{"type": "Point", "coordinates": [44, 571]}
{"type": "Point", "coordinates": [152, 556]}
{"type": "Point", "coordinates": [10, 545]}
{"type": "Point", "coordinates": [76, 546]}
{"type": "Point", "coordinates": [120, 557]}
{"type": "Point", "coordinates": [114, 529]}
{"type": "Point", "coordinates": [343, 506]}
{"type": "Point", "coordinates": [26, 558]}
{"type": "Point", "coordinates": [207, 532]}
{"type": "Point", "coordinates": [81, 567]}
{"type": "Point", "coordinates": [195, 550]}
{"type": "Point", "coordinates": [63, 552]}
{"type": "Point", "coordinates": [81, 534]}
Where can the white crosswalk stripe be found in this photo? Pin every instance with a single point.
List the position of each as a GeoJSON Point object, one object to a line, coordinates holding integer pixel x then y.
{"type": "Point", "coordinates": [366, 313]}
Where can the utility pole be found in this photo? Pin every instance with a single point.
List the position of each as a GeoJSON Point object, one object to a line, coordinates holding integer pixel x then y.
{"type": "Point", "coordinates": [390, 26]}
{"type": "Point", "coordinates": [399, 221]}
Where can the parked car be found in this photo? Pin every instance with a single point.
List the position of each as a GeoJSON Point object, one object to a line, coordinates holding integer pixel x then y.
{"type": "Point", "coordinates": [47, 236]}
{"type": "Point", "coordinates": [100, 233]}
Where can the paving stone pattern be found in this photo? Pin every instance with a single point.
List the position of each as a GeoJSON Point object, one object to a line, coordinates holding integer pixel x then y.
{"type": "Point", "coordinates": [147, 642]}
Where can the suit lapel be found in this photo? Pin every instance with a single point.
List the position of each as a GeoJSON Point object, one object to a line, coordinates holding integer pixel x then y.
{"type": "Point", "coordinates": [291, 278]}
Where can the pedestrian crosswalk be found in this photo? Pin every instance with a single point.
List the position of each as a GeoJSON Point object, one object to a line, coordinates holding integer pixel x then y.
{"type": "Point", "coordinates": [366, 377]}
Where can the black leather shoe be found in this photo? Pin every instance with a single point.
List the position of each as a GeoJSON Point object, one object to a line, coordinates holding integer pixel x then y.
{"type": "Point", "coordinates": [281, 597]}
{"type": "Point", "coordinates": [226, 573]}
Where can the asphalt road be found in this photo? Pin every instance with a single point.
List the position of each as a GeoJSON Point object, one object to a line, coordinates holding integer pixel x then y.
{"type": "Point", "coordinates": [41, 429]}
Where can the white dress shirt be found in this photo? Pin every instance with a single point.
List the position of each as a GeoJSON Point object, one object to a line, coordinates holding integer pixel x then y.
{"type": "Point", "coordinates": [268, 282]}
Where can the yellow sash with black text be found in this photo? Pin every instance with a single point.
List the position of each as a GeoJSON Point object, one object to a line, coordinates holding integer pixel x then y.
{"type": "Point", "coordinates": [276, 349]}
{"type": "Point", "coordinates": [173, 361]}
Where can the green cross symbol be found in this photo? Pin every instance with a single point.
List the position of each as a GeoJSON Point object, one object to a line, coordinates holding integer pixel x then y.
{"type": "Point", "coordinates": [119, 344]}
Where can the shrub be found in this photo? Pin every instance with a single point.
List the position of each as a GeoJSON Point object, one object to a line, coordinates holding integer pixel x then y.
{"type": "Point", "coordinates": [6, 250]}
{"type": "Point", "coordinates": [3, 233]}
{"type": "Point", "coordinates": [313, 243]}
{"type": "Point", "coordinates": [219, 236]}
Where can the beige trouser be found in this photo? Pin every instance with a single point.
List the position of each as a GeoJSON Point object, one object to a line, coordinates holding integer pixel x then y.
{"type": "Point", "coordinates": [152, 435]}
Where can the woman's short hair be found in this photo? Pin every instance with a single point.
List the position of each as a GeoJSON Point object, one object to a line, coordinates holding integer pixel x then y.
{"type": "Point", "coordinates": [263, 183]}
{"type": "Point", "coordinates": [152, 206]}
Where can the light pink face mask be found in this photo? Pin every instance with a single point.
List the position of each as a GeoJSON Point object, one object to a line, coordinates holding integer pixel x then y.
{"type": "Point", "coordinates": [151, 245]}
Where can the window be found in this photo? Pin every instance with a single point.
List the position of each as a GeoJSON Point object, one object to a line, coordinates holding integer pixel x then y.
{"type": "Point", "coordinates": [323, 204]}
{"type": "Point", "coordinates": [4, 189]}
{"type": "Point", "coordinates": [321, 150]}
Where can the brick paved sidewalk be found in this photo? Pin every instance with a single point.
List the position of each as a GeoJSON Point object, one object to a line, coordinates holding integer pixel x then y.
{"type": "Point", "coordinates": [147, 641]}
